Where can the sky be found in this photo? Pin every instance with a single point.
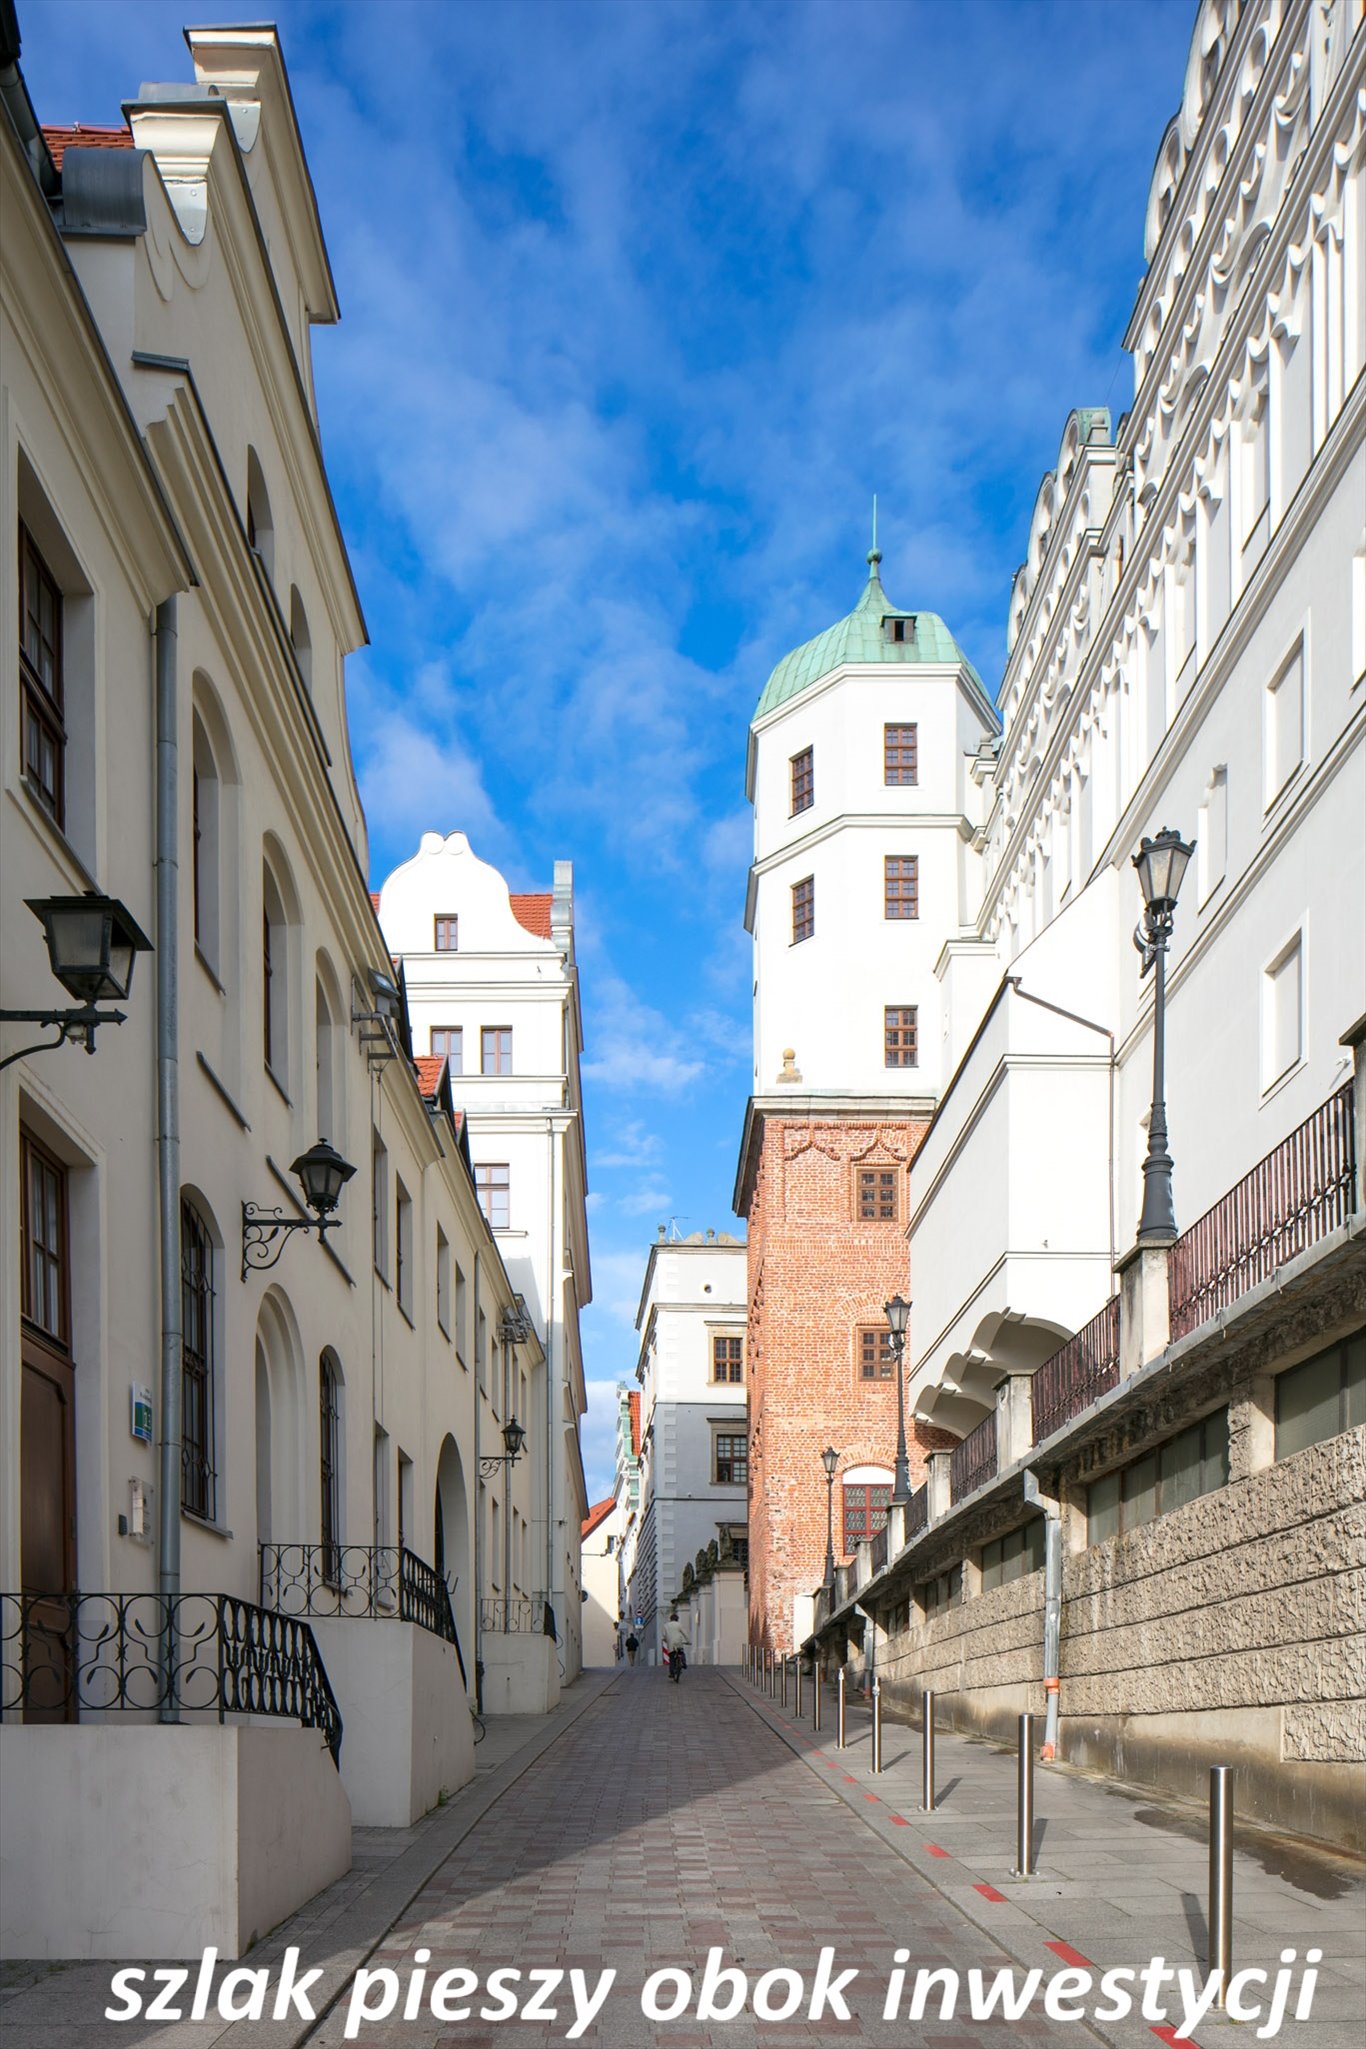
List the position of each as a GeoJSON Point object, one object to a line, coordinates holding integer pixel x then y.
{"type": "Point", "coordinates": [642, 300]}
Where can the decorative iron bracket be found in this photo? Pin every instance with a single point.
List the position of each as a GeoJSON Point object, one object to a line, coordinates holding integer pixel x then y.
{"type": "Point", "coordinates": [264, 1232]}
{"type": "Point", "coordinates": [72, 1027]}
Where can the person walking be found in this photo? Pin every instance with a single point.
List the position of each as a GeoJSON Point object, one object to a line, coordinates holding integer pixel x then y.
{"type": "Point", "coordinates": [674, 1639]}
{"type": "Point", "coordinates": [632, 1646]}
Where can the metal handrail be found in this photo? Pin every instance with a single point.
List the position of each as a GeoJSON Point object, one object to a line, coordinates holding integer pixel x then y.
{"type": "Point", "coordinates": [1078, 1373]}
{"type": "Point", "coordinates": [512, 1615]}
{"type": "Point", "coordinates": [377, 1582]}
{"type": "Point", "coordinates": [918, 1512]}
{"type": "Point", "coordinates": [973, 1461]}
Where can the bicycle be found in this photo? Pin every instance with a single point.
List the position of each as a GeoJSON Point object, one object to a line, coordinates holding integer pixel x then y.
{"type": "Point", "coordinates": [677, 1663]}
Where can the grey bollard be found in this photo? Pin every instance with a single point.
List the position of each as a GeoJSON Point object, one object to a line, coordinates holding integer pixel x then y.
{"type": "Point", "coordinates": [840, 1728]}
{"type": "Point", "coordinates": [1024, 1819]}
{"type": "Point", "coordinates": [1221, 1876]}
{"type": "Point", "coordinates": [816, 1693]}
{"type": "Point", "coordinates": [877, 1725]}
{"type": "Point", "coordinates": [797, 1680]}
{"type": "Point", "coordinates": [927, 1753]}
{"type": "Point", "coordinates": [784, 1683]}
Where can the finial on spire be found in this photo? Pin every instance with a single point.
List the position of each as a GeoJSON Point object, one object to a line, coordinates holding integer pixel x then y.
{"type": "Point", "coordinates": [874, 553]}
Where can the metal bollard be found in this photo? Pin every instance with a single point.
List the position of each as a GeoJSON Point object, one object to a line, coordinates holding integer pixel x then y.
{"type": "Point", "coordinates": [784, 1665]}
{"type": "Point", "coordinates": [1221, 1876]}
{"type": "Point", "coordinates": [927, 1753]}
{"type": "Point", "coordinates": [1024, 1820]}
{"type": "Point", "coordinates": [877, 1725]}
{"type": "Point", "coordinates": [839, 1712]}
{"type": "Point", "coordinates": [815, 1693]}
{"type": "Point", "coordinates": [797, 1675]}
{"type": "Point", "coordinates": [768, 1672]}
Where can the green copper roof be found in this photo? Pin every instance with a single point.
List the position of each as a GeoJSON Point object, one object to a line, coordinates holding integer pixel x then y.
{"type": "Point", "coordinates": [863, 637]}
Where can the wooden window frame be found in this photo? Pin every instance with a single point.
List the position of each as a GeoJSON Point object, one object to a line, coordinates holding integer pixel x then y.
{"type": "Point", "coordinates": [868, 1509]}
{"type": "Point", "coordinates": [57, 1257]}
{"type": "Point", "coordinates": [901, 886]}
{"type": "Point", "coordinates": [900, 756]}
{"type": "Point", "coordinates": [803, 909]}
{"type": "Point", "coordinates": [900, 1038]}
{"type": "Point", "coordinates": [873, 1348]}
{"type": "Point", "coordinates": [802, 780]}
{"type": "Point", "coordinates": [198, 1471]}
{"type": "Point", "coordinates": [736, 1463]}
{"type": "Point", "coordinates": [456, 1032]}
{"type": "Point", "coordinates": [446, 923]}
{"type": "Point", "coordinates": [728, 1372]}
{"type": "Point", "coordinates": [40, 706]}
{"type": "Point", "coordinates": [868, 1204]}
{"type": "Point", "coordinates": [488, 1187]}
{"type": "Point", "coordinates": [490, 1041]}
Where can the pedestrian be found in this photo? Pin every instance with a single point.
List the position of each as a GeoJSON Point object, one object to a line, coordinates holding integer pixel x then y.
{"type": "Point", "coordinates": [632, 1646]}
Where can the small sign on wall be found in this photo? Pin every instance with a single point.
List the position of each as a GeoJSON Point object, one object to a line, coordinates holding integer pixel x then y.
{"type": "Point", "coordinates": [140, 1412]}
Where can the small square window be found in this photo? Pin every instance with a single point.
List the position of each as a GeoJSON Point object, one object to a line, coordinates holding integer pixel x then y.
{"type": "Point", "coordinates": [900, 765]}
{"type": "Point", "coordinates": [730, 1458]}
{"type": "Point", "coordinates": [901, 886]}
{"type": "Point", "coordinates": [447, 933]}
{"type": "Point", "coordinates": [727, 1359]}
{"type": "Point", "coordinates": [900, 1035]}
{"type": "Point", "coordinates": [875, 1190]}
{"type": "Point", "coordinates": [876, 1359]}
{"type": "Point", "coordinates": [803, 781]}
{"type": "Point", "coordinates": [803, 909]}
{"type": "Point", "coordinates": [495, 1049]}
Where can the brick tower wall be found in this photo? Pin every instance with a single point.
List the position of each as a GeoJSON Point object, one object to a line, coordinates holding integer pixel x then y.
{"type": "Point", "coordinates": [817, 1275]}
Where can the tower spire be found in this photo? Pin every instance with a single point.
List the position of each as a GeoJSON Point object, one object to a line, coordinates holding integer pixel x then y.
{"type": "Point", "coordinates": [874, 553]}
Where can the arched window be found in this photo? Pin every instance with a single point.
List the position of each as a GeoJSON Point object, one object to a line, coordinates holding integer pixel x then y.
{"type": "Point", "coordinates": [274, 979]}
{"type": "Point", "coordinates": [207, 845]}
{"type": "Point", "coordinates": [329, 1053]}
{"type": "Point", "coordinates": [865, 1492]}
{"type": "Point", "coordinates": [329, 1466]}
{"type": "Point", "coordinates": [299, 635]}
{"type": "Point", "coordinates": [260, 530]}
{"type": "Point", "coordinates": [199, 1479]}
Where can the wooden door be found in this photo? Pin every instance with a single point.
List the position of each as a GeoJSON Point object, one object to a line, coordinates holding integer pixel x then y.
{"type": "Point", "coordinates": [47, 1436]}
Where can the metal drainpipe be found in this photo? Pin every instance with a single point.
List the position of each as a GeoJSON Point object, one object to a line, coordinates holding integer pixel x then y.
{"type": "Point", "coordinates": [478, 1510]}
{"type": "Point", "coordinates": [1052, 1609]}
{"type": "Point", "coordinates": [168, 1138]}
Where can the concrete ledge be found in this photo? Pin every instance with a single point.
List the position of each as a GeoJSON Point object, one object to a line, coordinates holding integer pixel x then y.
{"type": "Point", "coordinates": [409, 1738]}
{"type": "Point", "coordinates": [521, 1672]}
{"type": "Point", "coordinates": [144, 1841]}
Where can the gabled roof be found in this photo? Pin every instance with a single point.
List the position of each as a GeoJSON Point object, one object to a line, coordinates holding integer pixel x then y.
{"type": "Point", "coordinates": [597, 1514]}
{"type": "Point", "coordinates": [532, 912]}
{"type": "Point", "coordinates": [429, 1066]}
{"type": "Point", "coordinates": [862, 637]}
{"type": "Point", "coordinates": [79, 136]}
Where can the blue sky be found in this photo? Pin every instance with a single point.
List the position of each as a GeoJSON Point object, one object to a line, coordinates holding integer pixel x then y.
{"type": "Point", "coordinates": [641, 302]}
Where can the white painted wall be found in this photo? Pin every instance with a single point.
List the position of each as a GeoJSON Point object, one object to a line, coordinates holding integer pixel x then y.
{"type": "Point", "coordinates": [408, 1736]}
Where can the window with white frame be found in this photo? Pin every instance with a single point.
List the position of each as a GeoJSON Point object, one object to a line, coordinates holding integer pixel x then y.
{"type": "Point", "coordinates": [379, 1205]}
{"type": "Point", "coordinates": [1283, 742]}
{"type": "Point", "coordinates": [443, 1281]}
{"type": "Point", "coordinates": [403, 1248]}
{"type": "Point", "coordinates": [1255, 476]}
{"type": "Point", "coordinates": [1283, 1012]}
{"type": "Point", "coordinates": [493, 1182]}
{"type": "Point", "coordinates": [1211, 834]}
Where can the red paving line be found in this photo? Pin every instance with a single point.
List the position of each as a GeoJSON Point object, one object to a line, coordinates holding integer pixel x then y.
{"type": "Point", "coordinates": [1070, 1955]}
{"type": "Point", "coordinates": [871, 1796]}
{"type": "Point", "coordinates": [935, 1850]}
{"type": "Point", "coordinates": [901, 1821]}
{"type": "Point", "coordinates": [1173, 2040]}
{"type": "Point", "coordinates": [989, 1892]}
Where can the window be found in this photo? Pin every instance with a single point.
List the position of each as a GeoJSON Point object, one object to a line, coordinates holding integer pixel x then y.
{"type": "Point", "coordinates": [274, 980]}
{"type": "Point", "coordinates": [379, 1206]}
{"type": "Point", "coordinates": [461, 1313]}
{"type": "Point", "coordinates": [943, 1592]}
{"type": "Point", "coordinates": [43, 1282]}
{"type": "Point", "coordinates": [260, 528]}
{"type": "Point", "coordinates": [443, 1281]}
{"type": "Point", "coordinates": [329, 1467]}
{"type": "Point", "coordinates": [205, 794]}
{"type": "Point", "coordinates": [197, 1481]}
{"type": "Point", "coordinates": [899, 1035]}
{"type": "Point", "coordinates": [403, 1261]}
{"type": "Point", "coordinates": [899, 756]}
{"type": "Point", "coordinates": [448, 1043]}
{"type": "Point", "coordinates": [1256, 480]}
{"type": "Point", "coordinates": [876, 1359]}
{"type": "Point", "coordinates": [446, 934]}
{"type": "Point", "coordinates": [495, 1194]}
{"type": "Point", "coordinates": [875, 1192]}
{"type": "Point", "coordinates": [803, 909]}
{"type": "Point", "coordinates": [495, 1049]}
{"type": "Point", "coordinates": [739, 1544]}
{"type": "Point", "coordinates": [900, 630]}
{"type": "Point", "coordinates": [299, 636]}
{"type": "Point", "coordinates": [730, 1458]}
{"type": "Point", "coordinates": [1013, 1555]}
{"type": "Point", "coordinates": [803, 781]}
{"type": "Point", "coordinates": [1283, 1013]}
{"type": "Point", "coordinates": [727, 1359]}
{"type": "Point", "coordinates": [901, 886]}
{"type": "Point", "coordinates": [1325, 1395]}
{"type": "Point", "coordinates": [865, 1510]}
{"type": "Point", "coordinates": [1211, 834]}
{"type": "Point", "coordinates": [1194, 1463]}
{"type": "Point", "coordinates": [1284, 725]}
{"type": "Point", "coordinates": [40, 671]}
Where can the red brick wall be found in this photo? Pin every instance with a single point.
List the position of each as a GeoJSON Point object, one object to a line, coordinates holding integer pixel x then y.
{"type": "Point", "coordinates": [816, 1275]}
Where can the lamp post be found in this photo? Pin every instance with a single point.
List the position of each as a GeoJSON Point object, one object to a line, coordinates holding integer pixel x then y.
{"type": "Point", "coordinates": [1161, 864]}
{"type": "Point", "coordinates": [92, 945]}
{"type": "Point", "coordinates": [323, 1174]}
{"type": "Point", "coordinates": [898, 1312]}
{"type": "Point", "coordinates": [830, 1458]}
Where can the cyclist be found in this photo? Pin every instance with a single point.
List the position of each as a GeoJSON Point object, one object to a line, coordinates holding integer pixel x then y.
{"type": "Point", "coordinates": [674, 1640]}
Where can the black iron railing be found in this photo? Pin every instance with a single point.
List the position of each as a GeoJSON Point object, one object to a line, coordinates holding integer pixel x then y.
{"type": "Point", "coordinates": [1078, 1373]}
{"type": "Point", "coordinates": [879, 1549]}
{"type": "Point", "coordinates": [75, 1657]}
{"type": "Point", "coordinates": [973, 1461]}
{"type": "Point", "coordinates": [1296, 1195]}
{"type": "Point", "coordinates": [513, 1617]}
{"type": "Point", "coordinates": [917, 1512]}
{"type": "Point", "coordinates": [382, 1582]}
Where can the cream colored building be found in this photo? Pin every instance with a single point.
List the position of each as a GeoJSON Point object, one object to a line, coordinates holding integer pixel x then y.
{"type": "Point", "coordinates": [265, 1443]}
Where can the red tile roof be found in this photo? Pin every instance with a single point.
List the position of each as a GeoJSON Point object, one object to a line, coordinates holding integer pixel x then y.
{"type": "Point", "coordinates": [533, 912]}
{"type": "Point", "coordinates": [633, 1402]}
{"type": "Point", "coordinates": [374, 901]}
{"type": "Point", "coordinates": [429, 1066]}
{"type": "Point", "coordinates": [78, 136]}
{"type": "Point", "coordinates": [598, 1513]}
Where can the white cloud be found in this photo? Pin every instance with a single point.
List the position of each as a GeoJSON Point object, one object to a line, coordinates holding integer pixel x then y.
{"type": "Point", "coordinates": [643, 1202]}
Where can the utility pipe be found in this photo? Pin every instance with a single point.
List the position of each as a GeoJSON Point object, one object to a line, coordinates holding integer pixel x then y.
{"type": "Point", "coordinates": [168, 1142]}
{"type": "Point", "coordinates": [1052, 1609]}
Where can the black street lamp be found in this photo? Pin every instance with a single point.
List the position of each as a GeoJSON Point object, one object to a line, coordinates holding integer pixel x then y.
{"type": "Point", "coordinates": [1161, 864]}
{"type": "Point", "coordinates": [92, 945]}
{"type": "Point", "coordinates": [323, 1174]}
{"type": "Point", "coordinates": [898, 1314]}
{"type": "Point", "coordinates": [514, 1437]}
{"type": "Point", "coordinates": [830, 1458]}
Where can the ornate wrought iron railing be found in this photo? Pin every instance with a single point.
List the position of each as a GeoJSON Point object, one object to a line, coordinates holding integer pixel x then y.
{"type": "Point", "coordinates": [1296, 1195]}
{"type": "Point", "coordinates": [973, 1461]}
{"type": "Point", "coordinates": [917, 1512]}
{"type": "Point", "coordinates": [1078, 1373]}
{"type": "Point", "coordinates": [384, 1582]}
{"type": "Point", "coordinates": [513, 1617]}
{"type": "Point", "coordinates": [76, 1657]}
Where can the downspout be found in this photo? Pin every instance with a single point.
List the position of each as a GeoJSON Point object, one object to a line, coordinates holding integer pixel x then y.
{"type": "Point", "coordinates": [1052, 1608]}
{"type": "Point", "coordinates": [168, 1142]}
{"type": "Point", "coordinates": [478, 1510]}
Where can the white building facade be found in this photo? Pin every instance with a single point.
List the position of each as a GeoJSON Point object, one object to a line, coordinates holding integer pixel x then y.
{"type": "Point", "coordinates": [492, 989]}
{"type": "Point", "coordinates": [692, 1517]}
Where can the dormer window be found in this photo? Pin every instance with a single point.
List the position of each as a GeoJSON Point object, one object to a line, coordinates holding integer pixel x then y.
{"type": "Point", "coordinates": [902, 631]}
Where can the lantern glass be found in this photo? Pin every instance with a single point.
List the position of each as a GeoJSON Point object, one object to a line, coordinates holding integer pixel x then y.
{"type": "Point", "coordinates": [830, 1458]}
{"type": "Point", "coordinates": [323, 1173]}
{"type": "Point", "coordinates": [898, 1314]}
{"type": "Point", "coordinates": [1161, 865]}
{"type": "Point", "coordinates": [514, 1437]}
{"type": "Point", "coordinates": [92, 943]}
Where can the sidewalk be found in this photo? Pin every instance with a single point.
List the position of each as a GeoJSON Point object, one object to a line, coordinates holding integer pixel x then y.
{"type": "Point", "coordinates": [1120, 1876]}
{"type": "Point", "coordinates": [48, 2005]}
